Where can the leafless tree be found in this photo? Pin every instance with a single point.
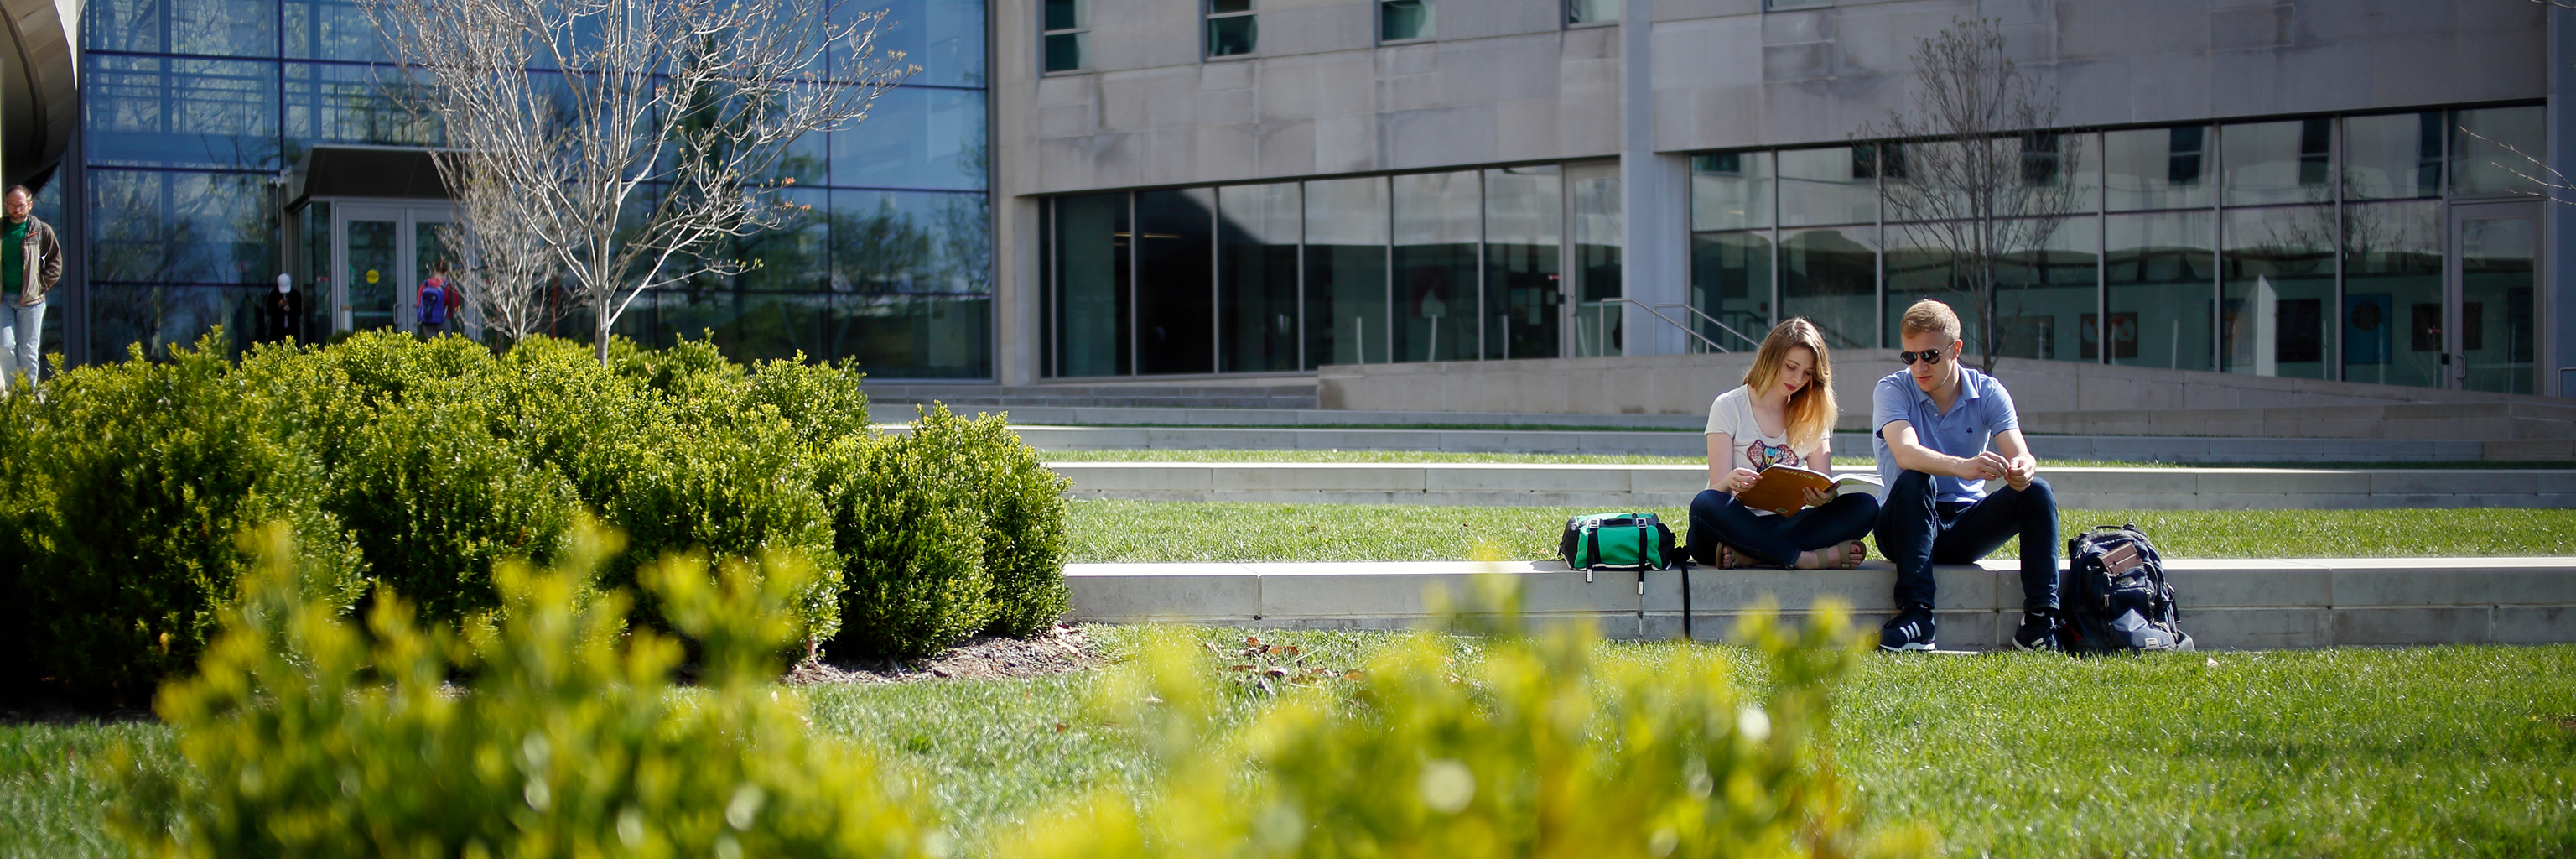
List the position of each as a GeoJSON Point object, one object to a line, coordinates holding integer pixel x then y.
{"type": "Point", "coordinates": [504, 267]}
{"type": "Point", "coordinates": [1972, 167]}
{"type": "Point", "coordinates": [639, 132]}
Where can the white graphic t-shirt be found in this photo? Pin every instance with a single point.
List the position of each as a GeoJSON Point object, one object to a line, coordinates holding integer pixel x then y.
{"type": "Point", "coordinates": [1732, 414]}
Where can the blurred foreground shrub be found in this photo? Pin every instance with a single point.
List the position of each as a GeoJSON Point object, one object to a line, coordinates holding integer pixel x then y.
{"type": "Point", "coordinates": [1535, 747]}
{"type": "Point", "coordinates": [303, 735]}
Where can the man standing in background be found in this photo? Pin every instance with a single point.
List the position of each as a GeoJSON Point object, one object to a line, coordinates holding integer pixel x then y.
{"type": "Point", "coordinates": [31, 262]}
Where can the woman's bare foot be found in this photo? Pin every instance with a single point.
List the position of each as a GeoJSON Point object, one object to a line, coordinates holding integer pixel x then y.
{"type": "Point", "coordinates": [1841, 556]}
{"type": "Point", "coordinates": [1728, 558]}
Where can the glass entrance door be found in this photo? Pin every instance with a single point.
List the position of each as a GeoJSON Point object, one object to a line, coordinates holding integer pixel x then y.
{"type": "Point", "coordinates": [381, 251]}
{"type": "Point", "coordinates": [2494, 271]}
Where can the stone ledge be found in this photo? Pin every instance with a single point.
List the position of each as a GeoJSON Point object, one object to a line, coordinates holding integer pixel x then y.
{"type": "Point", "coordinates": [2227, 604]}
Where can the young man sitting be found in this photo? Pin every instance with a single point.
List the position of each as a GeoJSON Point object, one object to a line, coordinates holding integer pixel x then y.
{"type": "Point", "coordinates": [1934, 420]}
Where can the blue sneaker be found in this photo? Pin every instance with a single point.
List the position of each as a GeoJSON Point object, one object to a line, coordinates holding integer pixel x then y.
{"type": "Point", "coordinates": [2038, 632]}
{"type": "Point", "coordinates": [1910, 629]}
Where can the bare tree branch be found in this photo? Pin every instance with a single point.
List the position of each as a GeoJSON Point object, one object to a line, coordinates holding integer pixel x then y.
{"type": "Point", "coordinates": [1972, 168]}
{"type": "Point", "coordinates": [634, 134]}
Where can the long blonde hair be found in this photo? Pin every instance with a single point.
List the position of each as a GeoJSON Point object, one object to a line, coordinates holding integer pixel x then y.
{"type": "Point", "coordinates": [1811, 411]}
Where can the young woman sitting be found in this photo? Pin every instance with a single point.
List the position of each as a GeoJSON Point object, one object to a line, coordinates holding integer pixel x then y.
{"type": "Point", "coordinates": [1781, 415]}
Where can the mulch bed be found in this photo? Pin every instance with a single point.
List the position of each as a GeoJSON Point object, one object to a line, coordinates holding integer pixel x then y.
{"type": "Point", "coordinates": [1059, 650]}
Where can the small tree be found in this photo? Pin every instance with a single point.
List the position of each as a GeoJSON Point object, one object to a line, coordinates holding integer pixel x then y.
{"type": "Point", "coordinates": [506, 268]}
{"type": "Point", "coordinates": [636, 133]}
{"type": "Point", "coordinates": [1972, 168]}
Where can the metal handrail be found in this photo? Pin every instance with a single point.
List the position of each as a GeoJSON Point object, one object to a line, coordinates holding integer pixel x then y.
{"type": "Point", "coordinates": [1650, 308]}
{"type": "Point", "coordinates": [1712, 320]}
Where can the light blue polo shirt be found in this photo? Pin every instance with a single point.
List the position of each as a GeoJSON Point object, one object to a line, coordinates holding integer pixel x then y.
{"type": "Point", "coordinates": [1981, 410]}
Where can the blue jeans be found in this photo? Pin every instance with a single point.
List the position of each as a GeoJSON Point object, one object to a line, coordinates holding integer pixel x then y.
{"type": "Point", "coordinates": [1916, 533]}
{"type": "Point", "coordinates": [1716, 517]}
{"type": "Point", "coordinates": [22, 335]}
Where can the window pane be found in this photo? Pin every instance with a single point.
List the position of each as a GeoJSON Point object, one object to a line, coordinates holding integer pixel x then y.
{"type": "Point", "coordinates": [332, 103]}
{"type": "Point", "coordinates": [1175, 288]}
{"type": "Point", "coordinates": [1920, 266]}
{"type": "Point", "coordinates": [330, 30]}
{"type": "Point", "coordinates": [1230, 36]}
{"type": "Point", "coordinates": [2392, 268]}
{"type": "Point", "coordinates": [153, 112]}
{"type": "Point", "coordinates": [158, 317]}
{"type": "Point", "coordinates": [1219, 7]}
{"type": "Point", "coordinates": [1346, 272]}
{"type": "Point", "coordinates": [1257, 231]}
{"type": "Point", "coordinates": [2278, 282]}
{"type": "Point", "coordinates": [2396, 156]}
{"type": "Point", "coordinates": [1091, 297]}
{"type": "Point", "coordinates": [912, 243]}
{"type": "Point", "coordinates": [2496, 149]}
{"type": "Point", "coordinates": [914, 337]}
{"type": "Point", "coordinates": [1404, 19]}
{"type": "Point", "coordinates": [1731, 191]}
{"type": "Point", "coordinates": [1599, 241]}
{"type": "Point", "coordinates": [2496, 279]}
{"type": "Point", "coordinates": [1731, 281]}
{"type": "Point", "coordinates": [2046, 300]}
{"type": "Point", "coordinates": [233, 28]}
{"type": "Point", "coordinates": [2161, 273]}
{"type": "Point", "coordinates": [1830, 276]}
{"type": "Point", "coordinates": [182, 228]}
{"type": "Point", "coordinates": [1437, 224]}
{"type": "Point", "coordinates": [1064, 51]}
{"type": "Point", "coordinates": [914, 137]}
{"type": "Point", "coordinates": [1524, 208]}
{"type": "Point", "coordinates": [1591, 11]}
{"type": "Point", "coordinates": [2156, 168]}
{"type": "Point", "coordinates": [1827, 186]}
{"type": "Point", "coordinates": [944, 37]}
{"type": "Point", "coordinates": [2279, 162]}
{"type": "Point", "coordinates": [1067, 14]}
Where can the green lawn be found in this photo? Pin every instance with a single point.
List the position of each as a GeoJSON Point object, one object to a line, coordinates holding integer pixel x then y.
{"type": "Point", "coordinates": [1149, 531]}
{"type": "Point", "coordinates": [2448, 751]}
{"type": "Point", "coordinates": [1846, 458]}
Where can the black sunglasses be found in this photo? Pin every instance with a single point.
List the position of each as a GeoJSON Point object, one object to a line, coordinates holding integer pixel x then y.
{"type": "Point", "coordinates": [1929, 357]}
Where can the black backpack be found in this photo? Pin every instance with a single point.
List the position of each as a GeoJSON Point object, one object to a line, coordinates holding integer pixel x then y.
{"type": "Point", "coordinates": [2115, 598]}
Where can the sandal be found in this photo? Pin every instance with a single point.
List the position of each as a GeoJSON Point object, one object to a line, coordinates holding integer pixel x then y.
{"type": "Point", "coordinates": [1729, 559]}
{"type": "Point", "coordinates": [1844, 556]}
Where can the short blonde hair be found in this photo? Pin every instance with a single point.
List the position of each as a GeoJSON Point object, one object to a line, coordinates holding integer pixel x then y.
{"type": "Point", "coordinates": [1928, 317]}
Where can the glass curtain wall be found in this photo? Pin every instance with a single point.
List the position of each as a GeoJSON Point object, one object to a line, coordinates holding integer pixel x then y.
{"type": "Point", "coordinates": [191, 106]}
{"type": "Point", "coordinates": [1829, 241]}
{"type": "Point", "coordinates": [1599, 241]}
{"type": "Point", "coordinates": [1091, 299]}
{"type": "Point", "coordinates": [1175, 270]}
{"type": "Point", "coordinates": [1731, 247]}
{"type": "Point", "coordinates": [1347, 284]}
{"type": "Point", "coordinates": [1438, 220]}
{"type": "Point", "coordinates": [1257, 237]}
{"type": "Point", "coordinates": [1524, 210]}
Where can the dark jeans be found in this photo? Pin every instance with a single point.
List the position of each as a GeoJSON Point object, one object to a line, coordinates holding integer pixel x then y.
{"type": "Point", "coordinates": [1716, 517]}
{"type": "Point", "coordinates": [1912, 532]}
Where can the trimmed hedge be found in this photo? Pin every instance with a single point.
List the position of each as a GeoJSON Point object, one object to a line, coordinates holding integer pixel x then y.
{"type": "Point", "coordinates": [417, 467]}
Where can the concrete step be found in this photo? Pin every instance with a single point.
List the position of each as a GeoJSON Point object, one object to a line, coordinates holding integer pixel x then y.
{"type": "Point", "coordinates": [1243, 394]}
{"type": "Point", "coordinates": [2489, 422]}
{"type": "Point", "coordinates": [1539, 439]}
{"type": "Point", "coordinates": [2226, 604]}
{"type": "Point", "coordinates": [1607, 486]}
{"type": "Point", "coordinates": [1126, 416]}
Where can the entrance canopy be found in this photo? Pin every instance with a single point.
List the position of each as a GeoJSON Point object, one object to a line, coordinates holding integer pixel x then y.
{"type": "Point", "coordinates": [375, 172]}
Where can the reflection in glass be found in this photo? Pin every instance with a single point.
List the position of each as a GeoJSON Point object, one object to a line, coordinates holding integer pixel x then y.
{"type": "Point", "coordinates": [1919, 266]}
{"type": "Point", "coordinates": [944, 37]}
{"type": "Point", "coordinates": [916, 337]}
{"type": "Point", "coordinates": [1828, 186]}
{"type": "Point", "coordinates": [1175, 288]}
{"type": "Point", "coordinates": [2496, 280]}
{"type": "Point", "coordinates": [2393, 157]}
{"type": "Point", "coordinates": [1598, 242]}
{"type": "Point", "coordinates": [1257, 232]}
{"type": "Point", "coordinates": [2046, 300]}
{"type": "Point", "coordinates": [155, 112]}
{"type": "Point", "coordinates": [158, 317]}
{"type": "Point", "coordinates": [1091, 298]}
{"type": "Point", "coordinates": [1830, 276]}
{"type": "Point", "coordinates": [181, 228]}
{"type": "Point", "coordinates": [329, 103]}
{"type": "Point", "coordinates": [909, 242]}
{"type": "Point", "coordinates": [1730, 191]}
{"type": "Point", "coordinates": [1731, 281]}
{"type": "Point", "coordinates": [1438, 222]}
{"type": "Point", "coordinates": [2277, 281]}
{"type": "Point", "coordinates": [1524, 208]}
{"type": "Point", "coordinates": [914, 137]}
{"type": "Point", "coordinates": [374, 291]}
{"type": "Point", "coordinates": [796, 256]}
{"type": "Point", "coordinates": [2392, 293]}
{"type": "Point", "coordinates": [234, 28]}
{"type": "Point", "coordinates": [2162, 275]}
{"type": "Point", "coordinates": [2496, 149]}
{"type": "Point", "coordinates": [2156, 168]}
{"type": "Point", "coordinates": [329, 30]}
{"type": "Point", "coordinates": [1404, 19]}
{"type": "Point", "coordinates": [1346, 272]}
{"type": "Point", "coordinates": [1591, 11]}
{"type": "Point", "coordinates": [2279, 162]}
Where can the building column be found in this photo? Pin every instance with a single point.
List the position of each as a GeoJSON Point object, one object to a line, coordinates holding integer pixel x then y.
{"type": "Point", "coordinates": [1654, 265]}
{"type": "Point", "coordinates": [2558, 268]}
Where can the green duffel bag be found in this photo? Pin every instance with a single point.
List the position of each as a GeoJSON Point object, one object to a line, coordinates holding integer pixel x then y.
{"type": "Point", "coordinates": [1617, 541]}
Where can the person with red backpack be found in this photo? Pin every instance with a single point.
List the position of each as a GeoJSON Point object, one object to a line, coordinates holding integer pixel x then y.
{"type": "Point", "coordinates": [438, 301]}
